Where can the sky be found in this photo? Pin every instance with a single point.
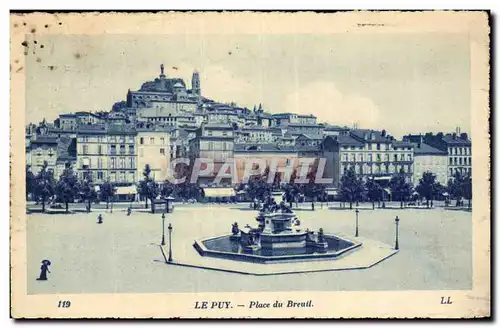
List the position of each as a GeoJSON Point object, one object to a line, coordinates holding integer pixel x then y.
{"type": "Point", "coordinates": [404, 83]}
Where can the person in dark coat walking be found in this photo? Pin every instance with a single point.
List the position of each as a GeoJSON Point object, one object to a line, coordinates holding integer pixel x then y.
{"type": "Point", "coordinates": [99, 219]}
{"type": "Point", "coordinates": [44, 269]}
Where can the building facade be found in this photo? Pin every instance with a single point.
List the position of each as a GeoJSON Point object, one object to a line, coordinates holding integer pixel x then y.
{"type": "Point", "coordinates": [153, 148]}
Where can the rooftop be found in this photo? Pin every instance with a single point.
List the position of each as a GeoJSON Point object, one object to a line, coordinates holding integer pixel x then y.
{"type": "Point", "coordinates": [425, 149]}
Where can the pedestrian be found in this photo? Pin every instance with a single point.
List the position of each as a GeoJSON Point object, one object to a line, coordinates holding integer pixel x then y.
{"type": "Point", "coordinates": [44, 269]}
{"type": "Point", "coordinates": [99, 219]}
{"type": "Point", "coordinates": [129, 211]}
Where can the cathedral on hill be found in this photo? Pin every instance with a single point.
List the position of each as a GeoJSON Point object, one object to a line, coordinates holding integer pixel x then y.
{"type": "Point", "coordinates": [164, 96]}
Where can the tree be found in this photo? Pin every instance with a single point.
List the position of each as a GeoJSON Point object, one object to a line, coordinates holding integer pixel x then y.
{"type": "Point", "coordinates": [427, 187]}
{"type": "Point", "coordinates": [87, 190]}
{"type": "Point", "coordinates": [30, 182]}
{"type": "Point", "coordinates": [351, 187]}
{"type": "Point", "coordinates": [400, 187]}
{"type": "Point", "coordinates": [167, 188]}
{"type": "Point", "coordinates": [148, 188]}
{"type": "Point", "coordinates": [67, 186]}
{"type": "Point", "coordinates": [107, 191]}
{"type": "Point", "coordinates": [374, 191]}
{"type": "Point", "coordinates": [456, 187]}
{"type": "Point", "coordinates": [467, 189]}
{"type": "Point", "coordinates": [44, 185]}
{"type": "Point", "coordinates": [257, 188]}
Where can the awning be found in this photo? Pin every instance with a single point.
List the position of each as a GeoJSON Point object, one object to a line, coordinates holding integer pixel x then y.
{"type": "Point", "coordinates": [388, 191]}
{"type": "Point", "coordinates": [128, 190]}
{"type": "Point", "coordinates": [382, 178]}
{"type": "Point", "coordinates": [219, 192]}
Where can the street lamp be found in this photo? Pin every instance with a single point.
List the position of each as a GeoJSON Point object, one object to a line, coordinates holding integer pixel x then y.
{"type": "Point", "coordinates": [170, 242]}
{"type": "Point", "coordinates": [397, 233]}
{"type": "Point", "coordinates": [163, 229]}
{"type": "Point", "coordinates": [357, 230]}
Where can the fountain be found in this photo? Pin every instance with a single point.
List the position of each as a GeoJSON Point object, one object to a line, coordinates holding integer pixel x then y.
{"type": "Point", "coordinates": [278, 237]}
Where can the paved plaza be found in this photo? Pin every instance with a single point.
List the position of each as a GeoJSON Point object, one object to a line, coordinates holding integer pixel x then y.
{"type": "Point", "coordinates": [123, 254]}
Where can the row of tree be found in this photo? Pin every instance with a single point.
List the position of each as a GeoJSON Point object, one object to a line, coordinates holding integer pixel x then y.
{"type": "Point", "coordinates": [67, 189]}
{"type": "Point", "coordinates": [44, 188]}
{"type": "Point", "coordinates": [354, 189]}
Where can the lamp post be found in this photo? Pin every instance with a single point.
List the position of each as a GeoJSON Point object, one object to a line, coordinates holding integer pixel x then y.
{"type": "Point", "coordinates": [170, 242]}
{"type": "Point", "coordinates": [163, 229]}
{"type": "Point", "coordinates": [397, 233]}
{"type": "Point", "coordinates": [357, 230]}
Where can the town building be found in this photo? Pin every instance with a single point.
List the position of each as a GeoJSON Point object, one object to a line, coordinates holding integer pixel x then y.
{"type": "Point", "coordinates": [153, 148]}
{"type": "Point", "coordinates": [457, 145]}
{"type": "Point", "coordinates": [214, 142]}
{"type": "Point", "coordinates": [429, 159]}
{"type": "Point", "coordinates": [372, 154]}
{"type": "Point", "coordinates": [43, 149]}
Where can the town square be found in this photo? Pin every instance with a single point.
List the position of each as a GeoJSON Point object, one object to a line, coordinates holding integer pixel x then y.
{"type": "Point", "coordinates": [123, 254]}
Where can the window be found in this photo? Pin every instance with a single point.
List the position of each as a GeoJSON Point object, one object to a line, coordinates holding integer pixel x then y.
{"type": "Point", "coordinates": [85, 149]}
{"type": "Point", "coordinates": [370, 158]}
{"type": "Point", "coordinates": [122, 162]}
{"type": "Point", "coordinates": [460, 161]}
{"type": "Point", "coordinates": [122, 176]}
{"type": "Point", "coordinates": [141, 141]}
{"type": "Point", "coordinates": [352, 147]}
{"type": "Point", "coordinates": [100, 175]}
{"type": "Point", "coordinates": [113, 176]}
{"type": "Point", "coordinates": [378, 157]}
{"type": "Point", "coordinates": [99, 149]}
{"type": "Point", "coordinates": [122, 139]}
{"type": "Point", "coordinates": [131, 149]}
{"type": "Point", "coordinates": [455, 161]}
{"type": "Point", "coordinates": [131, 176]}
{"type": "Point", "coordinates": [99, 163]}
{"type": "Point", "coordinates": [162, 140]}
{"type": "Point", "coordinates": [369, 146]}
{"type": "Point", "coordinates": [386, 157]}
{"type": "Point", "coordinates": [113, 162]}
{"type": "Point", "coordinates": [130, 139]}
{"type": "Point", "coordinates": [113, 149]}
{"type": "Point", "coordinates": [122, 149]}
{"type": "Point", "coordinates": [378, 146]}
{"type": "Point", "coordinates": [151, 141]}
{"type": "Point", "coordinates": [162, 151]}
{"type": "Point", "coordinates": [224, 133]}
{"type": "Point", "coordinates": [353, 157]}
{"type": "Point", "coordinates": [345, 157]}
{"type": "Point", "coordinates": [451, 161]}
{"type": "Point", "coordinates": [409, 157]}
{"type": "Point", "coordinates": [209, 133]}
{"type": "Point", "coordinates": [132, 163]}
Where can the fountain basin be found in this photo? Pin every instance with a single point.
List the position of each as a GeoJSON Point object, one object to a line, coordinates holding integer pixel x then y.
{"type": "Point", "coordinates": [229, 248]}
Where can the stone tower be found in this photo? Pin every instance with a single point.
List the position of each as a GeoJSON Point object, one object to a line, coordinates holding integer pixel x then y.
{"type": "Point", "coordinates": [195, 84]}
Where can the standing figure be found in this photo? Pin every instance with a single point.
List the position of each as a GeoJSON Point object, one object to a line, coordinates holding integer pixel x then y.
{"type": "Point", "coordinates": [99, 219]}
{"type": "Point", "coordinates": [129, 211]}
{"type": "Point", "coordinates": [44, 269]}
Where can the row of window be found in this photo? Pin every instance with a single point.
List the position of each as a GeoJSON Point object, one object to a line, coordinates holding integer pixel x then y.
{"type": "Point", "coordinates": [142, 140]}
{"type": "Point", "coordinates": [375, 169]}
{"type": "Point", "coordinates": [112, 150]}
{"type": "Point", "coordinates": [459, 151]}
{"type": "Point", "coordinates": [463, 170]}
{"type": "Point", "coordinates": [377, 147]}
{"type": "Point", "coordinates": [378, 157]}
{"type": "Point", "coordinates": [102, 139]}
{"type": "Point", "coordinates": [459, 161]}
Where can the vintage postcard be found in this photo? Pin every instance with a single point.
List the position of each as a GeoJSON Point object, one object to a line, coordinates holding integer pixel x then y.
{"type": "Point", "coordinates": [250, 165]}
